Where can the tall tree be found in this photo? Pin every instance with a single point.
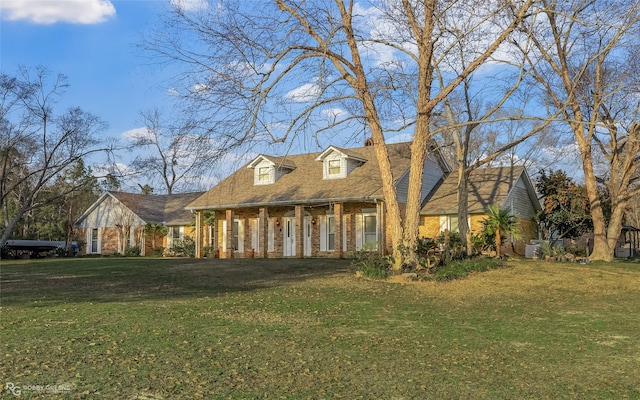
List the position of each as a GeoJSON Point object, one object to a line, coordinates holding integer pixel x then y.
{"type": "Point", "coordinates": [583, 58]}
{"type": "Point", "coordinates": [279, 70]}
{"type": "Point", "coordinates": [38, 140]}
{"type": "Point", "coordinates": [178, 153]}
{"type": "Point", "coordinates": [565, 211]}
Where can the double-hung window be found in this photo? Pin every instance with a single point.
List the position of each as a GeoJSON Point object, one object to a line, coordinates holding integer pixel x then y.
{"type": "Point", "coordinates": [333, 167]}
{"type": "Point", "coordinates": [264, 174]}
{"type": "Point", "coordinates": [327, 233]}
{"type": "Point", "coordinates": [367, 230]}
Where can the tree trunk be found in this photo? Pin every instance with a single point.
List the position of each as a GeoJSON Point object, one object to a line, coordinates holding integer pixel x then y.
{"type": "Point", "coordinates": [602, 250]}
{"type": "Point", "coordinates": [463, 210]}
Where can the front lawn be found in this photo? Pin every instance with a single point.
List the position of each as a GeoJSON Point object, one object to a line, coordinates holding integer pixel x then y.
{"type": "Point", "coordinates": [141, 328]}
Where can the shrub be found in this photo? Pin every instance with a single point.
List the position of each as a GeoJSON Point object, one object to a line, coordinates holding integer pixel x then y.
{"type": "Point", "coordinates": [425, 246]}
{"type": "Point", "coordinates": [436, 252]}
{"type": "Point", "coordinates": [371, 264]}
{"type": "Point", "coordinates": [460, 269]}
{"type": "Point", "coordinates": [546, 249]}
{"type": "Point", "coordinates": [184, 248]}
{"type": "Point", "coordinates": [158, 251]}
{"type": "Point", "coordinates": [577, 251]}
{"type": "Point", "coordinates": [132, 251]}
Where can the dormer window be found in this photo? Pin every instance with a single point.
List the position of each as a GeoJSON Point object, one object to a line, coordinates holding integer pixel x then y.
{"type": "Point", "coordinates": [267, 169]}
{"type": "Point", "coordinates": [338, 163]}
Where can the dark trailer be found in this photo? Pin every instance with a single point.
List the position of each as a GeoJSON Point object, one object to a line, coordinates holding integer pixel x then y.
{"type": "Point", "coordinates": [36, 248]}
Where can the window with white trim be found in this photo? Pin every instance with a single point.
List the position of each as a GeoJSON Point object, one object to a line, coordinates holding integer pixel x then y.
{"type": "Point", "coordinates": [333, 167]}
{"type": "Point", "coordinates": [264, 175]}
{"type": "Point", "coordinates": [367, 230]}
{"type": "Point", "coordinates": [95, 248]}
{"type": "Point", "coordinates": [449, 223]}
{"type": "Point", "coordinates": [238, 235]}
{"type": "Point", "coordinates": [327, 233]}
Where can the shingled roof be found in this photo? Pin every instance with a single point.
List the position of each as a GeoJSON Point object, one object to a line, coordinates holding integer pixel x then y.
{"type": "Point", "coordinates": [304, 184]}
{"type": "Point", "coordinates": [152, 208]}
{"type": "Point", "coordinates": [168, 208]}
{"type": "Point", "coordinates": [486, 186]}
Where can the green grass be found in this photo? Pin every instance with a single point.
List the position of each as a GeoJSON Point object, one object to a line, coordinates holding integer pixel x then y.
{"type": "Point", "coordinates": [133, 328]}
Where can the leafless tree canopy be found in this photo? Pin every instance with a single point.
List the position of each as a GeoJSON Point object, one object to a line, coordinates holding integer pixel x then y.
{"type": "Point", "coordinates": [581, 57]}
{"type": "Point", "coordinates": [36, 142]}
{"type": "Point", "coordinates": [333, 68]}
{"type": "Point", "coordinates": [173, 155]}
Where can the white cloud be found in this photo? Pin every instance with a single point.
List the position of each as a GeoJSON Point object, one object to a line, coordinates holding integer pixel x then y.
{"type": "Point", "coordinates": [200, 88]}
{"type": "Point", "coordinates": [47, 12]}
{"type": "Point", "coordinates": [304, 93]}
{"type": "Point", "coordinates": [190, 5]}
{"type": "Point", "coordinates": [136, 133]}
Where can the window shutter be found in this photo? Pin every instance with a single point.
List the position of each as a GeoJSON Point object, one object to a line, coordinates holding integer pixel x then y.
{"type": "Point", "coordinates": [344, 233]}
{"type": "Point", "coordinates": [323, 233]}
{"type": "Point", "coordinates": [359, 232]}
{"type": "Point", "coordinates": [224, 235]}
{"type": "Point", "coordinates": [255, 234]}
{"type": "Point", "coordinates": [270, 241]}
{"type": "Point", "coordinates": [241, 236]}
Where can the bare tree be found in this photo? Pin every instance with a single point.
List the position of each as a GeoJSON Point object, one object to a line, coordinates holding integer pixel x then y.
{"type": "Point", "coordinates": [180, 153]}
{"type": "Point", "coordinates": [584, 59]}
{"type": "Point", "coordinates": [38, 141]}
{"type": "Point", "coordinates": [278, 71]}
{"type": "Point", "coordinates": [482, 131]}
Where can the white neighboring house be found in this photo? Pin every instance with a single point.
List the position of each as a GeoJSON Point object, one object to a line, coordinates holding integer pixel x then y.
{"type": "Point", "coordinates": [116, 221]}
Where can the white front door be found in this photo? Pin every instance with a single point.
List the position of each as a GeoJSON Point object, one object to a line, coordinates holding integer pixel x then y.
{"type": "Point", "coordinates": [289, 236]}
{"type": "Point", "coordinates": [307, 236]}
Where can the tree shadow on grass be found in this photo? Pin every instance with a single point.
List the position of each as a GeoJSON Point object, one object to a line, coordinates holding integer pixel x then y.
{"type": "Point", "coordinates": [39, 283]}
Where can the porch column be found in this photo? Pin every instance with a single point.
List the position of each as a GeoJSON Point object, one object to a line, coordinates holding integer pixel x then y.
{"type": "Point", "coordinates": [263, 227]}
{"type": "Point", "coordinates": [299, 217]}
{"type": "Point", "coordinates": [229, 234]}
{"type": "Point", "coordinates": [199, 219]}
{"type": "Point", "coordinates": [337, 214]}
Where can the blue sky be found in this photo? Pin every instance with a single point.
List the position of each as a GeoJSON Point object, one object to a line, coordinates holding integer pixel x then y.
{"type": "Point", "coordinates": [93, 42]}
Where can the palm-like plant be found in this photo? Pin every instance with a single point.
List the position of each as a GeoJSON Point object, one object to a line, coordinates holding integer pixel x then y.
{"type": "Point", "coordinates": [500, 221]}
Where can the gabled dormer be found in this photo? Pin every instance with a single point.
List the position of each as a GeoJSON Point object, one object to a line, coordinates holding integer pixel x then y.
{"type": "Point", "coordinates": [338, 163]}
{"type": "Point", "coordinates": [267, 170]}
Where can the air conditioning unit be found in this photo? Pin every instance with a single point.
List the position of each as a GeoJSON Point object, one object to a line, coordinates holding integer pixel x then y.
{"type": "Point", "coordinates": [532, 251]}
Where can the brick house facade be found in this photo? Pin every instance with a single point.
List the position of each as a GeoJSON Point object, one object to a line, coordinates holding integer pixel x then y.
{"type": "Point", "coordinates": [324, 204]}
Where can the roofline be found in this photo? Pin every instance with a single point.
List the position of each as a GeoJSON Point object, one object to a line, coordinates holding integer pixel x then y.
{"type": "Point", "coordinates": [322, 155]}
{"type": "Point", "coordinates": [530, 189]}
{"type": "Point", "coordinates": [288, 203]}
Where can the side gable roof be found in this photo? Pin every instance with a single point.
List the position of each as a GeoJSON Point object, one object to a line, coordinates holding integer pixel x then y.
{"type": "Point", "coordinates": [305, 184]}
{"type": "Point", "coordinates": [167, 209]}
{"type": "Point", "coordinates": [486, 186]}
